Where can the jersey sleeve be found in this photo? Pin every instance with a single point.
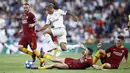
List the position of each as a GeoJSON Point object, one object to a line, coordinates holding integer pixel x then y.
{"type": "Point", "coordinates": [126, 53]}
{"type": "Point", "coordinates": [33, 17]}
{"type": "Point", "coordinates": [47, 20]}
{"type": "Point", "coordinates": [62, 12]}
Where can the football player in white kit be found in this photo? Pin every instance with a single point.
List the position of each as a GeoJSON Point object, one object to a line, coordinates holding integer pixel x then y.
{"type": "Point", "coordinates": [3, 37]}
{"type": "Point", "coordinates": [55, 20]}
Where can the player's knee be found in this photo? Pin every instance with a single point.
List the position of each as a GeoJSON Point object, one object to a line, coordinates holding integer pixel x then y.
{"type": "Point", "coordinates": [20, 47]}
{"type": "Point", "coordinates": [102, 52]}
{"type": "Point", "coordinates": [33, 50]}
{"type": "Point", "coordinates": [107, 66]}
{"type": "Point", "coordinates": [63, 46]}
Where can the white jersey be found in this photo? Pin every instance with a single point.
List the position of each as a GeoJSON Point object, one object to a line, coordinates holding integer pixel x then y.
{"type": "Point", "coordinates": [56, 19]}
{"type": "Point", "coordinates": [3, 37]}
{"type": "Point", "coordinates": [2, 23]}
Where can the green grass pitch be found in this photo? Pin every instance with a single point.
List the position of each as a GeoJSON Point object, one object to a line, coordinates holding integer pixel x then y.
{"type": "Point", "coordinates": [15, 64]}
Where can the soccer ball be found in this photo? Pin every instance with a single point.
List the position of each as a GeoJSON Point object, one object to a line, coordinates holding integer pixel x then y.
{"type": "Point", "coordinates": [28, 64]}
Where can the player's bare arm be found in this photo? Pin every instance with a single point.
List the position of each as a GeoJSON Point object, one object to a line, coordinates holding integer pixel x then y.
{"type": "Point", "coordinates": [126, 60]}
{"type": "Point", "coordinates": [75, 18]}
{"type": "Point", "coordinates": [99, 46]}
{"type": "Point", "coordinates": [126, 64]}
{"type": "Point", "coordinates": [34, 24]}
{"type": "Point", "coordinates": [44, 28]}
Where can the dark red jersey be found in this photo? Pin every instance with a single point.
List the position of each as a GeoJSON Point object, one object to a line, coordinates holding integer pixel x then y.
{"type": "Point", "coordinates": [80, 63]}
{"type": "Point", "coordinates": [116, 55]}
{"type": "Point", "coordinates": [28, 19]}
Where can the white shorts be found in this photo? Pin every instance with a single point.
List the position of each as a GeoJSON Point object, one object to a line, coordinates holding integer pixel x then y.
{"type": "Point", "coordinates": [3, 37]}
{"type": "Point", "coordinates": [60, 33]}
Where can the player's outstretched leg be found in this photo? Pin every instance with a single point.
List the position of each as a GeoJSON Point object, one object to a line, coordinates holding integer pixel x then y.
{"type": "Point", "coordinates": [65, 47]}
{"type": "Point", "coordinates": [43, 68]}
{"type": "Point", "coordinates": [53, 59]}
{"type": "Point", "coordinates": [55, 65]}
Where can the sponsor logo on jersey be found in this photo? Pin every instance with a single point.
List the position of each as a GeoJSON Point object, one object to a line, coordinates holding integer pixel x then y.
{"type": "Point", "coordinates": [118, 53]}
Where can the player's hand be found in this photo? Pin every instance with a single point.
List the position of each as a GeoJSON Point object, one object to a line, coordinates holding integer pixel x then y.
{"type": "Point", "coordinates": [126, 67]}
{"type": "Point", "coordinates": [37, 30]}
{"type": "Point", "coordinates": [31, 25]}
{"type": "Point", "coordinates": [99, 45]}
{"type": "Point", "coordinates": [75, 18]}
{"type": "Point", "coordinates": [19, 33]}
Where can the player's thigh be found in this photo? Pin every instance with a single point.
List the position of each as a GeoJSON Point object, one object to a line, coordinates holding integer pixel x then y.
{"type": "Point", "coordinates": [22, 43]}
{"type": "Point", "coordinates": [62, 38]}
{"type": "Point", "coordinates": [58, 32]}
{"type": "Point", "coordinates": [61, 34]}
{"type": "Point", "coordinates": [32, 42]}
{"type": "Point", "coordinates": [61, 66]}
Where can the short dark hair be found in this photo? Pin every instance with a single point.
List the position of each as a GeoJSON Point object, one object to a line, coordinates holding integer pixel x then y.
{"type": "Point", "coordinates": [90, 50]}
{"type": "Point", "coordinates": [121, 37]}
{"type": "Point", "coordinates": [50, 5]}
{"type": "Point", "coordinates": [25, 4]}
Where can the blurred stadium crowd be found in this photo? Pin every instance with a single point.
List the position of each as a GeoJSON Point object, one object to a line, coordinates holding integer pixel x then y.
{"type": "Point", "coordinates": [104, 19]}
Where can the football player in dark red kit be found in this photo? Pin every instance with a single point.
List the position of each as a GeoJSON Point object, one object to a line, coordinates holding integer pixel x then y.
{"type": "Point", "coordinates": [83, 62]}
{"type": "Point", "coordinates": [29, 34]}
{"type": "Point", "coordinates": [117, 52]}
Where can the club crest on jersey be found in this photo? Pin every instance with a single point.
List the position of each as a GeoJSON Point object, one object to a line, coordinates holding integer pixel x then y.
{"type": "Point", "coordinates": [24, 19]}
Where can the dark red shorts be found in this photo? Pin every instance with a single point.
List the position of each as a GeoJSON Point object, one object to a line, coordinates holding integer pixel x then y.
{"type": "Point", "coordinates": [29, 40]}
{"type": "Point", "coordinates": [106, 60]}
